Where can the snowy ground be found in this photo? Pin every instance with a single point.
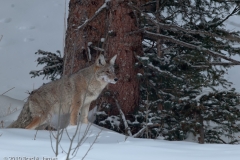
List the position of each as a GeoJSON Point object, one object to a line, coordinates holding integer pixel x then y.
{"type": "Point", "coordinates": [29, 25]}
{"type": "Point", "coordinates": [17, 144]}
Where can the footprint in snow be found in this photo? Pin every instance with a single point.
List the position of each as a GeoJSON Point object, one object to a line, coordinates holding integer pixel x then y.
{"type": "Point", "coordinates": [5, 20]}
{"type": "Point", "coordinates": [28, 39]}
{"type": "Point", "coordinates": [26, 27]}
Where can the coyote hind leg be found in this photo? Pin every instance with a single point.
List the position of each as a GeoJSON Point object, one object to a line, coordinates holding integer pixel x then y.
{"type": "Point", "coordinates": [35, 122]}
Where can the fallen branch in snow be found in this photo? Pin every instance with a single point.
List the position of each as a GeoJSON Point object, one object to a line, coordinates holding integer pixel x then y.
{"type": "Point", "coordinates": [127, 128]}
{"type": "Point", "coordinates": [139, 133]}
{"type": "Point", "coordinates": [234, 141]}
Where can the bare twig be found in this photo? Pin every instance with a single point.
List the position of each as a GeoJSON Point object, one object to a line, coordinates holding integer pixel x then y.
{"type": "Point", "coordinates": [127, 128]}
{"type": "Point", "coordinates": [35, 136]}
{"type": "Point", "coordinates": [92, 144]}
{"type": "Point", "coordinates": [78, 124]}
{"type": "Point", "coordinates": [82, 139]}
{"type": "Point", "coordinates": [8, 90]}
{"type": "Point", "coordinates": [2, 124]}
{"type": "Point", "coordinates": [100, 10]}
{"type": "Point", "coordinates": [235, 10]}
{"type": "Point", "coordinates": [65, 24]}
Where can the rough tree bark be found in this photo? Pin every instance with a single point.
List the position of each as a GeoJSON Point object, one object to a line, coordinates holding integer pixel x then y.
{"type": "Point", "coordinates": [113, 20]}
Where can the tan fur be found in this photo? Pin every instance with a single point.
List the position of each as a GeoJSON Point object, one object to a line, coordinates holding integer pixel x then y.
{"type": "Point", "coordinates": [36, 121]}
{"type": "Point", "coordinates": [70, 94]}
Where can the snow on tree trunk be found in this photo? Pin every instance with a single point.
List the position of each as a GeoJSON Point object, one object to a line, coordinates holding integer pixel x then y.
{"type": "Point", "coordinates": [88, 23]}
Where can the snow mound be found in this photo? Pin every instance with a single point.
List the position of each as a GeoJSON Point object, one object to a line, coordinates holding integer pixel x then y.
{"type": "Point", "coordinates": [9, 109]}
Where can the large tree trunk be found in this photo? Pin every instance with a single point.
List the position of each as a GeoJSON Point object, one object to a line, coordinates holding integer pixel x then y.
{"type": "Point", "coordinates": [76, 43]}
{"type": "Point", "coordinates": [113, 23]}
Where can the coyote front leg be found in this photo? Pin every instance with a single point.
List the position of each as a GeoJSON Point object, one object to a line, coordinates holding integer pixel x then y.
{"type": "Point", "coordinates": [84, 113]}
{"type": "Point", "coordinates": [76, 104]}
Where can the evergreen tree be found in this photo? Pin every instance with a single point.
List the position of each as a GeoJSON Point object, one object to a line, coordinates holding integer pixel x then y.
{"type": "Point", "coordinates": [186, 54]}
{"type": "Point", "coordinates": [187, 51]}
{"type": "Point", "coordinates": [53, 65]}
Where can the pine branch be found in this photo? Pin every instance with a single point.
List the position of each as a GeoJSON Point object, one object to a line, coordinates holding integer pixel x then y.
{"type": "Point", "coordinates": [160, 92]}
{"type": "Point", "coordinates": [223, 63]}
{"type": "Point", "coordinates": [148, 3]}
{"type": "Point", "coordinates": [150, 65]}
{"type": "Point", "coordinates": [53, 65]}
{"type": "Point", "coordinates": [191, 46]}
{"type": "Point", "coordinates": [235, 10]}
{"type": "Point", "coordinates": [176, 28]}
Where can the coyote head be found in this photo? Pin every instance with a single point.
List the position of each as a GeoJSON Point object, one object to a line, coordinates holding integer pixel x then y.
{"type": "Point", "coordinates": [105, 71]}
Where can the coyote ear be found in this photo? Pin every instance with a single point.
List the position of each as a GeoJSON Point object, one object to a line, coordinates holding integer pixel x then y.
{"type": "Point", "coordinates": [112, 61]}
{"type": "Point", "coordinates": [100, 61]}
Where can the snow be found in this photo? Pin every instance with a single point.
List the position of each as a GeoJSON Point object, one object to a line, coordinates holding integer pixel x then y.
{"type": "Point", "coordinates": [102, 39]}
{"type": "Point", "coordinates": [106, 145]}
{"type": "Point", "coordinates": [29, 25]}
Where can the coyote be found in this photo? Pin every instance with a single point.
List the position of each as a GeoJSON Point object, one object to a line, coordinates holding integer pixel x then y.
{"type": "Point", "coordinates": [69, 95]}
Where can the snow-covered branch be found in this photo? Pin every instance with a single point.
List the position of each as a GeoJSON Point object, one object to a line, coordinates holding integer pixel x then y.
{"type": "Point", "coordinates": [188, 45]}
{"type": "Point", "coordinates": [150, 65]}
{"type": "Point", "coordinates": [96, 48]}
{"type": "Point", "coordinates": [139, 133]}
{"type": "Point", "coordinates": [235, 10]}
{"type": "Point", "coordinates": [175, 28]}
